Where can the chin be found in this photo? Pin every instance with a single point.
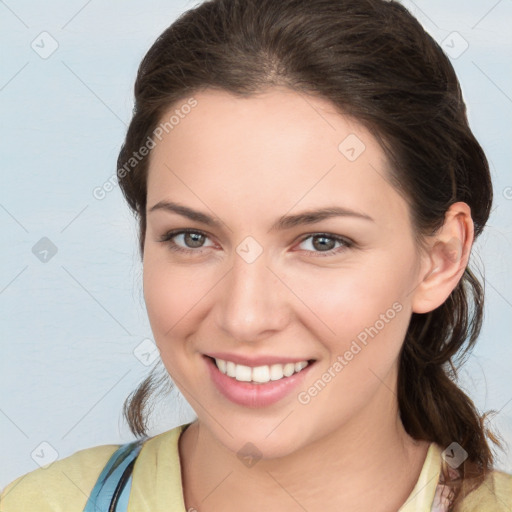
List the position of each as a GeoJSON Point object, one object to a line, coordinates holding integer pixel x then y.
{"type": "Point", "coordinates": [256, 439]}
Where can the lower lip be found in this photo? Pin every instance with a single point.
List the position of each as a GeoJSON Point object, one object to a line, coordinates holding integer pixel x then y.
{"type": "Point", "coordinates": [254, 395]}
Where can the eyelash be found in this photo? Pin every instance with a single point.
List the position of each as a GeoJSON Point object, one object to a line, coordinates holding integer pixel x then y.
{"type": "Point", "coordinates": [167, 238]}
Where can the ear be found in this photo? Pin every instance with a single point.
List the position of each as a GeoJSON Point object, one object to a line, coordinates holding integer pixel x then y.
{"type": "Point", "coordinates": [445, 259]}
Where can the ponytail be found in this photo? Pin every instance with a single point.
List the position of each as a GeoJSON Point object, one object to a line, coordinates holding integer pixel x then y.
{"type": "Point", "coordinates": [432, 406]}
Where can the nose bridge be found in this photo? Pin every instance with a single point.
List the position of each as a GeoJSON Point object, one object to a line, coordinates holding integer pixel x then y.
{"type": "Point", "coordinates": [252, 302]}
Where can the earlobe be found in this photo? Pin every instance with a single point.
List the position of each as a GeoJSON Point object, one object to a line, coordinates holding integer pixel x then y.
{"type": "Point", "coordinates": [446, 259]}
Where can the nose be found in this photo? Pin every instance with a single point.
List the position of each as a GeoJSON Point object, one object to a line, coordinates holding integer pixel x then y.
{"type": "Point", "coordinates": [252, 302]}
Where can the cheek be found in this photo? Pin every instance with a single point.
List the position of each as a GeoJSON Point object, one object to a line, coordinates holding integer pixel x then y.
{"type": "Point", "coordinates": [364, 311]}
{"type": "Point", "coordinates": [171, 294]}
{"type": "Point", "coordinates": [350, 298]}
{"type": "Point", "coordinates": [367, 314]}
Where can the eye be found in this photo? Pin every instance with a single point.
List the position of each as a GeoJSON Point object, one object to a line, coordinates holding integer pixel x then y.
{"type": "Point", "coordinates": [192, 240]}
{"type": "Point", "coordinates": [324, 244]}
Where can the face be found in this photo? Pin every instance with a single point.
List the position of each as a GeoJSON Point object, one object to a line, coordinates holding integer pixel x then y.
{"type": "Point", "coordinates": [235, 270]}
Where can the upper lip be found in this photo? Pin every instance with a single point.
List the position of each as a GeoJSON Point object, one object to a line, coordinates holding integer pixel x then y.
{"type": "Point", "coordinates": [254, 361]}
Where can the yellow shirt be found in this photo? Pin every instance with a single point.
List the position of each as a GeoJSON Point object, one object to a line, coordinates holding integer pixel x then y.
{"type": "Point", "coordinates": [65, 485]}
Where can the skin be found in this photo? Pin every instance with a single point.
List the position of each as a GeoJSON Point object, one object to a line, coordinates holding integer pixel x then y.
{"type": "Point", "coordinates": [246, 162]}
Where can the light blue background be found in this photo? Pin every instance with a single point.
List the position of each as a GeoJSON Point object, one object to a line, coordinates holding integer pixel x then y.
{"type": "Point", "coordinates": [70, 326]}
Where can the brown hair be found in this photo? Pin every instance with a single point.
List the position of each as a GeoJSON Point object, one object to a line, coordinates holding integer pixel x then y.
{"type": "Point", "coordinates": [372, 60]}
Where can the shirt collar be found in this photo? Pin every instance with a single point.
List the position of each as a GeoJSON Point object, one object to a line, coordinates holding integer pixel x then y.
{"type": "Point", "coordinates": [422, 496]}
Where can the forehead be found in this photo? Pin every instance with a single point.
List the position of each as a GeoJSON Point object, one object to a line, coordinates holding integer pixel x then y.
{"type": "Point", "coordinates": [278, 150]}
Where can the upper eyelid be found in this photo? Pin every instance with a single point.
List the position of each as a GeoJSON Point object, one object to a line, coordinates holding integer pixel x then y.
{"type": "Point", "coordinates": [175, 232]}
{"type": "Point", "coordinates": [168, 235]}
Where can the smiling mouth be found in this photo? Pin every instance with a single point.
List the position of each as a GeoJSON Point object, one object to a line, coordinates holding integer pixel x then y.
{"type": "Point", "coordinates": [260, 374]}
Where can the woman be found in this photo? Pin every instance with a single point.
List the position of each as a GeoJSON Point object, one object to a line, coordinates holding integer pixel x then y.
{"type": "Point", "coordinates": [308, 191]}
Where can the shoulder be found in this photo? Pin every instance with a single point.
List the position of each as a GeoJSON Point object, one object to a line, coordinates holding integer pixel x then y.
{"type": "Point", "coordinates": [494, 494]}
{"type": "Point", "coordinates": [64, 485]}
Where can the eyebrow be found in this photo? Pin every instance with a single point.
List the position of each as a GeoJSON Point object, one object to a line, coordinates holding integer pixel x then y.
{"type": "Point", "coordinates": [283, 223]}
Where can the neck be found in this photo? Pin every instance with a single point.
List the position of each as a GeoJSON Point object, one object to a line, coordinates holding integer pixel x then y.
{"type": "Point", "coordinates": [369, 464]}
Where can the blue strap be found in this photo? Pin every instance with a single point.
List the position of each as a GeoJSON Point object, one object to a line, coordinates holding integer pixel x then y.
{"type": "Point", "coordinates": [122, 503]}
{"type": "Point", "coordinates": [111, 478]}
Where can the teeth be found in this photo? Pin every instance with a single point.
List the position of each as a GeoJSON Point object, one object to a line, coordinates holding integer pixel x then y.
{"type": "Point", "coordinates": [276, 372]}
{"type": "Point", "coordinates": [259, 374]}
{"type": "Point", "coordinates": [289, 369]}
{"type": "Point", "coordinates": [243, 373]}
{"type": "Point", "coordinates": [230, 369]}
{"type": "Point", "coordinates": [301, 365]}
{"type": "Point", "coordinates": [222, 365]}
